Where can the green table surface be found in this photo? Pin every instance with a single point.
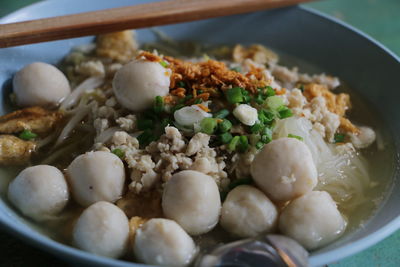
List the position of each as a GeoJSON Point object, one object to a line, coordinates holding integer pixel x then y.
{"type": "Point", "coordinates": [378, 18]}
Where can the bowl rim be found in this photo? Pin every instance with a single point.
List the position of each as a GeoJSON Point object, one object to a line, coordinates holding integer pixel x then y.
{"type": "Point", "coordinates": [62, 250]}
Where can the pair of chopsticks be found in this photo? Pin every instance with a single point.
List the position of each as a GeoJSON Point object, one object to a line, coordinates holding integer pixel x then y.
{"type": "Point", "coordinates": [130, 17]}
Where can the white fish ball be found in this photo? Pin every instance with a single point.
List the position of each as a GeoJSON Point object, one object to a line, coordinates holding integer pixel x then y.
{"type": "Point", "coordinates": [102, 229]}
{"type": "Point", "coordinates": [39, 192]}
{"type": "Point", "coordinates": [284, 169]}
{"type": "Point", "coordinates": [313, 220]}
{"type": "Point", "coordinates": [247, 212]}
{"type": "Point", "coordinates": [96, 176]}
{"type": "Point", "coordinates": [163, 242]}
{"type": "Point", "coordinates": [192, 199]}
{"type": "Point", "coordinates": [137, 84]}
{"type": "Point", "coordinates": [40, 84]}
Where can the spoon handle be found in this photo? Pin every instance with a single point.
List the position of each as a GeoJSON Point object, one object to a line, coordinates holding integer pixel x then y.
{"type": "Point", "coordinates": [129, 17]}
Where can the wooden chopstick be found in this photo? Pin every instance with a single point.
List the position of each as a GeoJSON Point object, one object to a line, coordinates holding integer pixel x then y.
{"type": "Point", "coordinates": [130, 17]}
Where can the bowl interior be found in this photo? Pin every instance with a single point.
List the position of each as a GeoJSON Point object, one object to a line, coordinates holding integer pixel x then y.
{"type": "Point", "coordinates": [306, 35]}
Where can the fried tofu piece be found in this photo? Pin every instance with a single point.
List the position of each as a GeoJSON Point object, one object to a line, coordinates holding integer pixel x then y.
{"type": "Point", "coordinates": [145, 205]}
{"type": "Point", "coordinates": [336, 103]}
{"type": "Point", "coordinates": [15, 151]}
{"type": "Point", "coordinates": [120, 46]}
{"type": "Point", "coordinates": [35, 119]}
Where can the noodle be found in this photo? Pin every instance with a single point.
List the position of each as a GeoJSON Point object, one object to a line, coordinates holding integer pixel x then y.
{"type": "Point", "coordinates": [87, 85]}
{"type": "Point", "coordinates": [72, 123]}
{"type": "Point", "coordinates": [106, 135]}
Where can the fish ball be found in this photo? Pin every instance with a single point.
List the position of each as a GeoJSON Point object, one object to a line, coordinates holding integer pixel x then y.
{"type": "Point", "coordinates": [284, 169]}
{"type": "Point", "coordinates": [247, 212]}
{"type": "Point", "coordinates": [40, 84]}
{"type": "Point", "coordinates": [192, 199]}
{"type": "Point", "coordinates": [102, 229]}
{"type": "Point", "coordinates": [137, 84]}
{"type": "Point", "coordinates": [313, 220]}
{"type": "Point", "coordinates": [39, 192]}
{"type": "Point", "coordinates": [96, 176]}
{"type": "Point", "coordinates": [163, 242]}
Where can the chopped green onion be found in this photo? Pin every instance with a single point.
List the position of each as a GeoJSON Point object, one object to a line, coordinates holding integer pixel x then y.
{"type": "Point", "coordinates": [159, 104]}
{"type": "Point", "coordinates": [243, 143]}
{"type": "Point", "coordinates": [256, 128]}
{"type": "Point", "coordinates": [266, 135]}
{"type": "Point", "coordinates": [261, 117]}
{"type": "Point", "coordinates": [225, 138]}
{"type": "Point", "coordinates": [266, 139]}
{"type": "Point", "coordinates": [237, 69]}
{"type": "Point", "coordinates": [233, 143]}
{"type": "Point", "coordinates": [118, 152]}
{"type": "Point", "coordinates": [301, 87]}
{"type": "Point", "coordinates": [259, 145]}
{"type": "Point", "coordinates": [274, 102]}
{"type": "Point", "coordinates": [27, 135]}
{"type": "Point", "coordinates": [246, 96]}
{"type": "Point", "coordinates": [234, 95]}
{"type": "Point", "coordinates": [267, 131]}
{"type": "Point", "coordinates": [266, 92]}
{"type": "Point", "coordinates": [259, 99]}
{"type": "Point", "coordinates": [295, 136]}
{"type": "Point", "coordinates": [144, 124]}
{"type": "Point", "coordinates": [181, 84]}
{"type": "Point", "coordinates": [224, 126]}
{"type": "Point", "coordinates": [186, 98]}
{"type": "Point", "coordinates": [339, 138]}
{"type": "Point", "coordinates": [198, 101]}
{"type": "Point", "coordinates": [164, 64]}
{"type": "Point", "coordinates": [208, 125]}
{"type": "Point", "coordinates": [221, 114]}
{"type": "Point", "coordinates": [270, 91]}
{"type": "Point", "coordinates": [159, 100]}
{"type": "Point", "coordinates": [265, 116]}
{"type": "Point", "coordinates": [146, 138]}
{"type": "Point", "coordinates": [270, 116]}
{"type": "Point", "coordinates": [285, 112]}
{"type": "Point", "coordinates": [246, 99]}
